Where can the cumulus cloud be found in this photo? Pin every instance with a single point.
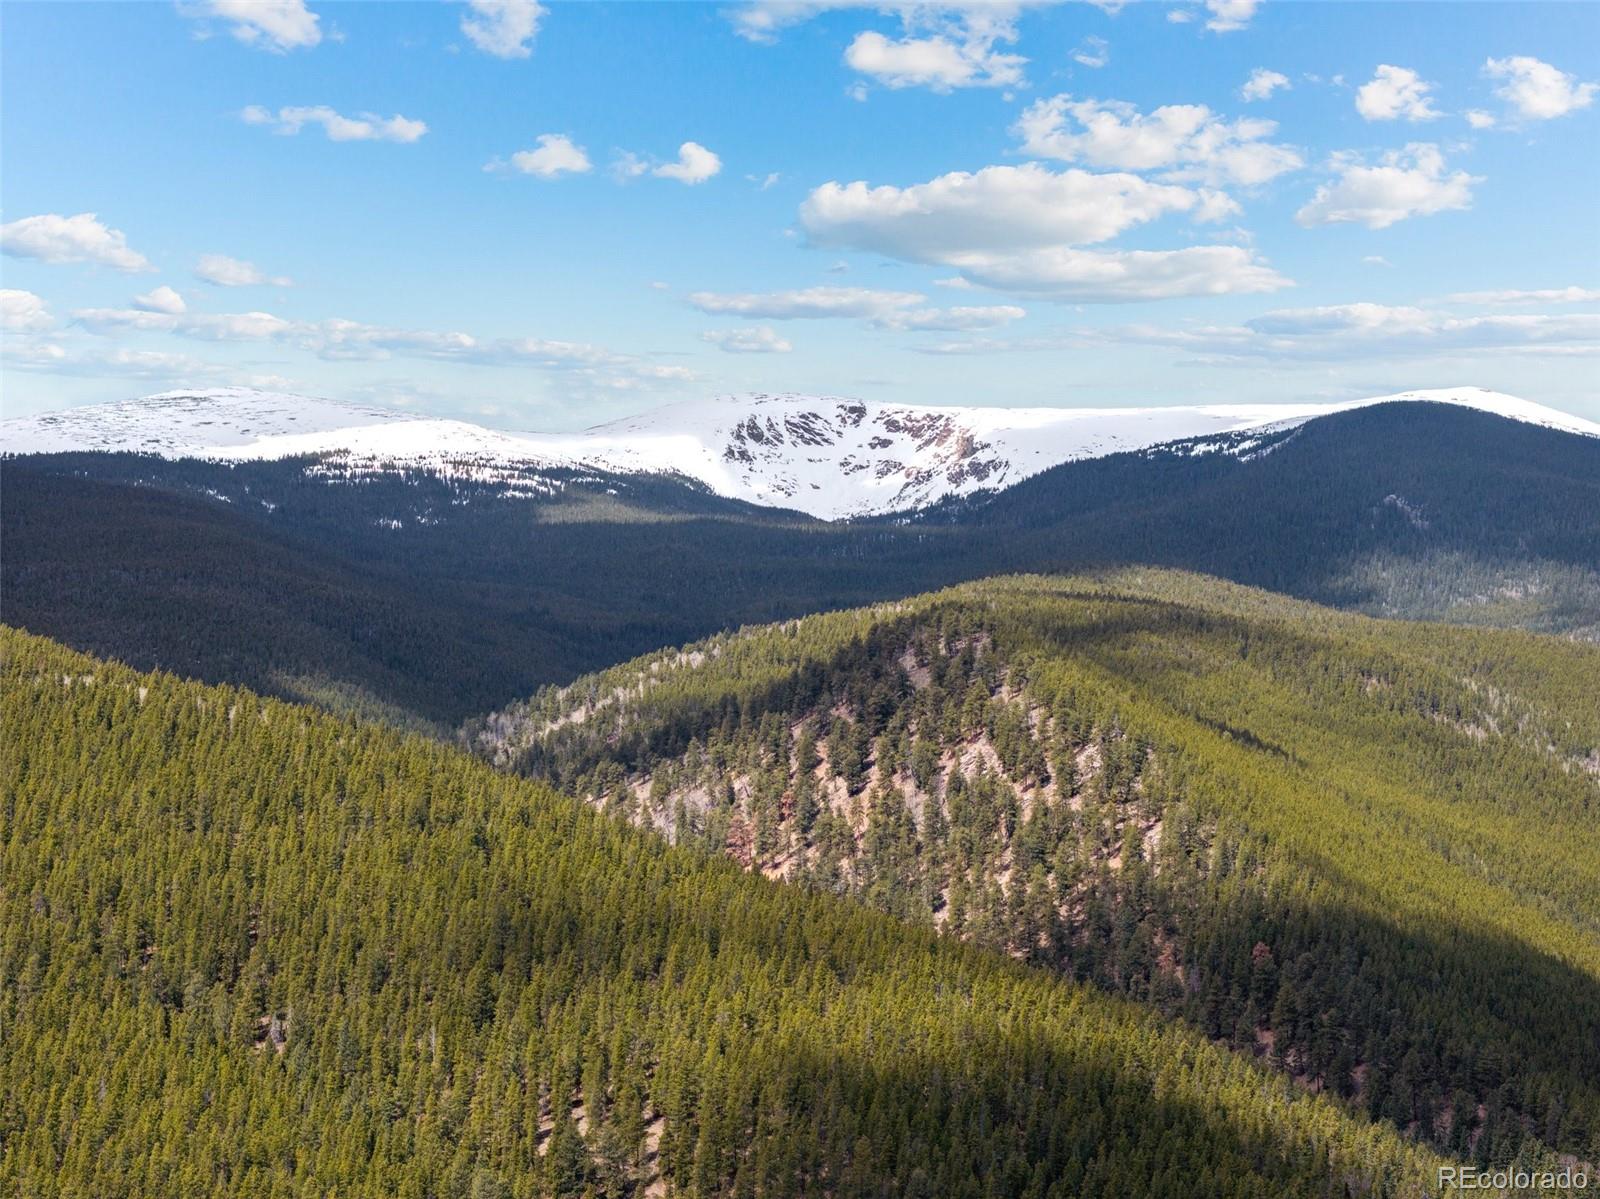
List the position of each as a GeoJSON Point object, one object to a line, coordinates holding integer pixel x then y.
{"type": "Point", "coordinates": [1230, 15]}
{"type": "Point", "coordinates": [1215, 207]}
{"type": "Point", "coordinates": [82, 238]}
{"type": "Point", "coordinates": [275, 25]}
{"type": "Point", "coordinates": [695, 164]}
{"type": "Point", "coordinates": [1537, 90]}
{"type": "Point", "coordinates": [367, 127]}
{"type": "Point", "coordinates": [941, 44]}
{"type": "Point", "coordinates": [998, 208]}
{"type": "Point", "coordinates": [763, 339]}
{"type": "Point", "coordinates": [503, 28]}
{"type": "Point", "coordinates": [1395, 93]}
{"type": "Point", "coordinates": [1019, 228]}
{"type": "Point", "coordinates": [1548, 295]}
{"type": "Point", "coordinates": [555, 155]}
{"type": "Point", "coordinates": [1479, 119]}
{"type": "Point", "coordinates": [223, 271]}
{"type": "Point", "coordinates": [162, 299]}
{"type": "Point", "coordinates": [1262, 83]}
{"type": "Point", "coordinates": [23, 312]}
{"type": "Point", "coordinates": [936, 62]}
{"type": "Point", "coordinates": [1405, 183]}
{"type": "Point", "coordinates": [1187, 141]}
{"type": "Point", "coordinates": [1359, 331]}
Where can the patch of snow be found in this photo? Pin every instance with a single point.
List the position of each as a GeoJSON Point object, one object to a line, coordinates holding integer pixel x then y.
{"type": "Point", "coordinates": [830, 456]}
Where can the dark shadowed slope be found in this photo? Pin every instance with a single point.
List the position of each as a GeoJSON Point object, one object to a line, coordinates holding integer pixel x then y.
{"type": "Point", "coordinates": [441, 598]}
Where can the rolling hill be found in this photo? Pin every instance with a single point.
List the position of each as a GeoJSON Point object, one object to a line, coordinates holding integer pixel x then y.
{"type": "Point", "coordinates": [251, 949]}
{"type": "Point", "coordinates": [1364, 852]}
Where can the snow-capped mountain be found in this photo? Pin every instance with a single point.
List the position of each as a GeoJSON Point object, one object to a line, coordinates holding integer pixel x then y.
{"type": "Point", "coordinates": [829, 456]}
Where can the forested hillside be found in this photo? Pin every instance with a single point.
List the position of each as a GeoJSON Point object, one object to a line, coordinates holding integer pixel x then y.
{"type": "Point", "coordinates": [426, 599]}
{"type": "Point", "coordinates": [1365, 853]}
{"type": "Point", "coordinates": [249, 949]}
{"type": "Point", "coordinates": [1409, 510]}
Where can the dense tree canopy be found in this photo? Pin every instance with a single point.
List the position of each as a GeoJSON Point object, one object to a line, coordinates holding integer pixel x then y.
{"type": "Point", "coordinates": [1365, 852]}
{"type": "Point", "coordinates": [250, 949]}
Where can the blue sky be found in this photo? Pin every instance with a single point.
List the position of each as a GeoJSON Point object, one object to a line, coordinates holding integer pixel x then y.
{"type": "Point", "coordinates": [546, 216]}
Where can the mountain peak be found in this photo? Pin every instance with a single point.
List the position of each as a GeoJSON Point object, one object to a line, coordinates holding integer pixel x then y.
{"type": "Point", "coordinates": [831, 456]}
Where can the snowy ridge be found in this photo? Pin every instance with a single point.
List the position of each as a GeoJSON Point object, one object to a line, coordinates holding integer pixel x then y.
{"type": "Point", "coordinates": [829, 456]}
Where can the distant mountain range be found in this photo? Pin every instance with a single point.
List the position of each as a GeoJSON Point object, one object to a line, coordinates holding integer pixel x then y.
{"type": "Point", "coordinates": [425, 571]}
{"type": "Point", "coordinates": [827, 456]}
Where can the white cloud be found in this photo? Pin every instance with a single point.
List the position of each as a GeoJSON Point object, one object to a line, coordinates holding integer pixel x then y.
{"type": "Point", "coordinates": [934, 62]}
{"type": "Point", "coordinates": [503, 28]}
{"type": "Point", "coordinates": [1407, 183]}
{"type": "Point", "coordinates": [162, 299]}
{"type": "Point", "coordinates": [763, 182]}
{"type": "Point", "coordinates": [943, 44]}
{"type": "Point", "coordinates": [1092, 52]}
{"type": "Point", "coordinates": [1017, 228]}
{"type": "Point", "coordinates": [1179, 16]}
{"type": "Point", "coordinates": [762, 339]}
{"type": "Point", "coordinates": [1395, 93]}
{"type": "Point", "coordinates": [884, 309]}
{"type": "Point", "coordinates": [695, 164]}
{"type": "Point", "coordinates": [1188, 141]}
{"type": "Point", "coordinates": [628, 165]}
{"type": "Point", "coordinates": [1229, 15]}
{"type": "Point", "coordinates": [1362, 331]}
{"type": "Point", "coordinates": [1479, 119]}
{"type": "Point", "coordinates": [947, 320]}
{"type": "Point", "coordinates": [1537, 90]}
{"type": "Point", "coordinates": [223, 271]}
{"type": "Point", "coordinates": [276, 25]}
{"type": "Point", "coordinates": [1376, 260]}
{"type": "Point", "coordinates": [34, 354]}
{"type": "Point", "coordinates": [82, 238]}
{"type": "Point", "coordinates": [337, 339]}
{"type": "Point", "coordinates": [367, 127]}
{"type": "Point", "coordinates": [23, 312]}
{"type": "Point", "coordinates": [807, 304]}
{"type": "Point", "coordinates": [1126, 276]}
{"type": "Point", "coordinates": [997, 208]}
{"type": "Point", "coordinates": [556, 155]}
{"type": "Point", "coordinates": [1548, 295]}
{"type": "Point", "coordinates": [1215, 207]}
{"type": "Point", "coordinates": [123, 362]}
{"type": "Point", "coordinates": [1262, 83]}
{"type": "Point", "coordinates": [206, 326]}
